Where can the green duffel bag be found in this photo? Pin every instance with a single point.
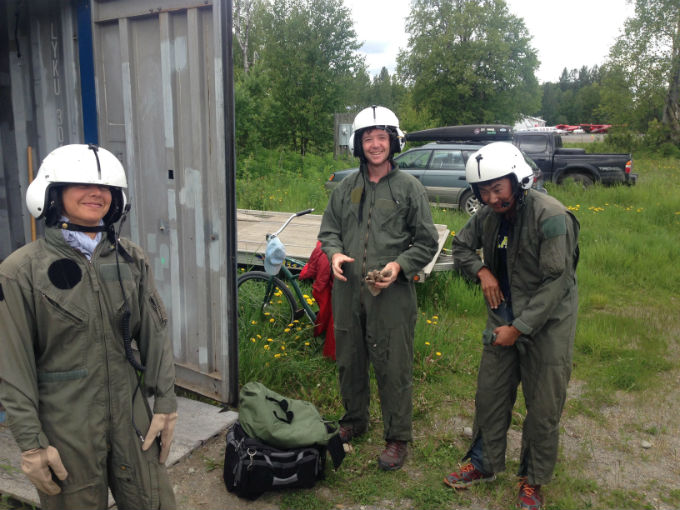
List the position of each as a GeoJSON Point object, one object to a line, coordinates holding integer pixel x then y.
{"type": "Point", "coordinates": [282, 422]}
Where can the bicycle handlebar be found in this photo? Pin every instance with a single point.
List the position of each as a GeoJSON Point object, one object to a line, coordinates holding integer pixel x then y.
{"type": "Point", "coordinates": [300, 213]}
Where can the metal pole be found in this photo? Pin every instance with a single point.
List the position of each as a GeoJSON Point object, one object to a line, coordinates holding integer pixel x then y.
{"type": "Point", "coordinates": [230, 209]}
{"type": "Point", "coordinates": [29, 154]}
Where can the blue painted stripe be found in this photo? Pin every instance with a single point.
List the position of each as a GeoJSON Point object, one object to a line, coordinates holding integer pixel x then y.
{"type": "Point", "coordinates": [87, 87]}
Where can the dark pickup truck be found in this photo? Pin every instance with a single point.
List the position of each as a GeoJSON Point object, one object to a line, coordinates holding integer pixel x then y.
{"type": "Point", "coordinates": [559, 164]}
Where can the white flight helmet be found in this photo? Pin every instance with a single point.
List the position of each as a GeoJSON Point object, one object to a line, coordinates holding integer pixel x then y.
{"type": "Point", "coordinates": [380, 117]}
{"type": "Point", "coordinates": [496, 160]}
{"type": "Point", "coordinates": [76, 164]}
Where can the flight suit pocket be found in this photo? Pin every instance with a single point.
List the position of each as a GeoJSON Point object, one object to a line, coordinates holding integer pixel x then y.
{"type": "Point", "coordinates": [160, 316]}
{"type": "Point", "coordinates": [391, 218]}
{"type": "Point", "coordinates": [127, 484]}
{"type": "Point", "coordinates": [61, 328]}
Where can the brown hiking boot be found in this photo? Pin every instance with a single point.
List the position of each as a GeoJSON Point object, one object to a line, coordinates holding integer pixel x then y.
{"type": "Point", "coordinates": [530, 497]}
{"type": "Point", "coordinates": [393, 456]}
{"type": "Point", "coordinates": [348, 432]}
{"type": "Point", "coordinates": [467, 476]}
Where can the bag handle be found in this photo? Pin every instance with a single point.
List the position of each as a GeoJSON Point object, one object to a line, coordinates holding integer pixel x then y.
{"type": "Point", "coordinates": [283, 404]}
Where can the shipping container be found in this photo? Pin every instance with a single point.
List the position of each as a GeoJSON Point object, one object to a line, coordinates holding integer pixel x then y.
{"type": "Point", "coordinates": [146, 80]}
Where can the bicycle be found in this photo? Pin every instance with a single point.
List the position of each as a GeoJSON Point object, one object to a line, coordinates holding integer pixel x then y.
{"type": "Point", "coordinates": [277, 304]}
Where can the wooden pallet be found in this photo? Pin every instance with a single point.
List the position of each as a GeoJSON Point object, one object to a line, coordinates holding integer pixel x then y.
{"type": "Point", "coordinates": [299, 237]}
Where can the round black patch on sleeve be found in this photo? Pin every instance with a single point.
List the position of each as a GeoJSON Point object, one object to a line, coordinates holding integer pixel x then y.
{"type": "Point", "coordinates": [64, 274]}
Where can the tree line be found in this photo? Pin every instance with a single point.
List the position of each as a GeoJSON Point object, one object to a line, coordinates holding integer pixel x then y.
{"type": "Point", "coordinates": [467, 61]}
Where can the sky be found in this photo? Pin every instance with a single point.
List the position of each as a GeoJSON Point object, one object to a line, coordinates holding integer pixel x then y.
{"type": "Point", "coordinates": [565, 33]}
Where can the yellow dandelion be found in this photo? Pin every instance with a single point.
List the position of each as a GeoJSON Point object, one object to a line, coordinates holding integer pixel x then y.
{"type": "Point", "coordinates": [272, 320]}
{"type": "Point", "coordinates": [277, 355]}
{"type": "Point", "coordinates": [287, 330]}
{"type": "Point", "coordinates": [435, 317]}
{"type": "Point", "coordinates": [266, 347]}
{"type": "Point", "coordinates": [259, 336]}
{"type": "Point", "coordinates": [305, 296]}
{"type": "Point", "coordinates": [253, 340]}
{"type": "Point", "coordinates": [427, 343]}
{"type": "Point", "coordinates": [307, 343]}
{"type": "Point", "coordinates": [283, 347]}
{"type": "Point", "coordinates": [429, 321]}
{"type": "Point", "coordinates": [439, 353]}
{"type": "Point", "coordinates": [253, 322]}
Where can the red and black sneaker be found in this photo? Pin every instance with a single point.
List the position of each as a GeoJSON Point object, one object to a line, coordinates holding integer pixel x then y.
{"type": "Point", "coordinates": [467, 476]}
{"type": "Point", "coordinates": [530, 497]}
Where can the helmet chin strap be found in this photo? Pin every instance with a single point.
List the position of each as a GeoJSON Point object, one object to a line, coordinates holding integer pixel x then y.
{"type": "Point", "coordinates": [65, 225]}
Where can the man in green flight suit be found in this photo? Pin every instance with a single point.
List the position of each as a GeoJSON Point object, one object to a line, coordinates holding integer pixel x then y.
{"type": "Point", "coordinates": [70, 305]}
{"type": "Point", "coordinates": [378, 233]}
{"type": "Point", "coordinates": [527, 276]}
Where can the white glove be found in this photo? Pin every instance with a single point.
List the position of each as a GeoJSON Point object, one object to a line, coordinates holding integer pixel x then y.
{"type": "Point", "coordinates": [163, 424]}
{"type": "Point", "coordinates": [36, 464]}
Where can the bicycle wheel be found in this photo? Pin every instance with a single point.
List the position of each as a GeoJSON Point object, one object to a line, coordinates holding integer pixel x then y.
{"type": "Point", "coordinates": [262, 297]}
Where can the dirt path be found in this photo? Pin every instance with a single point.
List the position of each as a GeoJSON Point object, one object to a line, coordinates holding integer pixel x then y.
{"type": "Point", "coordinates": [636, 447]}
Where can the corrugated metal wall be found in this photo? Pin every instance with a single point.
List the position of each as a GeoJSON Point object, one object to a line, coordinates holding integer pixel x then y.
{"type": "Point", "coordinates": [158, 74]}
{"type": "Point", "coordinates": [41, 109]}
{"type": "Point", "coordinates": [160, 111]}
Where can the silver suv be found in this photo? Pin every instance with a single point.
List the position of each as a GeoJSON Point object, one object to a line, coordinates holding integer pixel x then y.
{"type": "Point", "coordinates": [441, 169]}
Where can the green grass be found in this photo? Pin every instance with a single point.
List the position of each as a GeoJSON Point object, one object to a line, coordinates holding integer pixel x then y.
{"type": "Point", "coordinates": [626, 336]}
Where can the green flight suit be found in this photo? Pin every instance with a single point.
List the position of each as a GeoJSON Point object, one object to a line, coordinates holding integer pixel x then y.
{"type": "Point", "coordinates": [66, 381]}
{"type": "Point", "coordinates": [542, 255]}
{"type": "Point", "coordinates": [392, 221]}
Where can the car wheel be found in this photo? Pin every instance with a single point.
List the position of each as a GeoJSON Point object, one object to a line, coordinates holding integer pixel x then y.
{"type": "Point", "coordinates": [469, 203]}
{"type": "Point", "coordinates": [582, 179]}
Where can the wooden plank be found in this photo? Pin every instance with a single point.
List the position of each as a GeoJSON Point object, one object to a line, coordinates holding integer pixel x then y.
{"type": "Point", "coordinates": [299, 237]}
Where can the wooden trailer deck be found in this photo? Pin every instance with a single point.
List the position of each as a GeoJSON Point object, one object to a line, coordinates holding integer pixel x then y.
{"type": "Point", "coordinates": [299, 237]}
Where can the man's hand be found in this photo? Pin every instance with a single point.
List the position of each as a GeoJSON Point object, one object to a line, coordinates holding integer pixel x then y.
{"type": "Point", "coordinates": [336, 265]}
{"type": "Point", "coordinates": [490, 287]}
{"type": "Point", "coordinates": [36, 464]}
{"type": "Point", "coordinates": [506, 336]}
{"type": "Point", "coordinates": [163, 424]}
{"type": "Point", "coordinates": [389, 273]}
